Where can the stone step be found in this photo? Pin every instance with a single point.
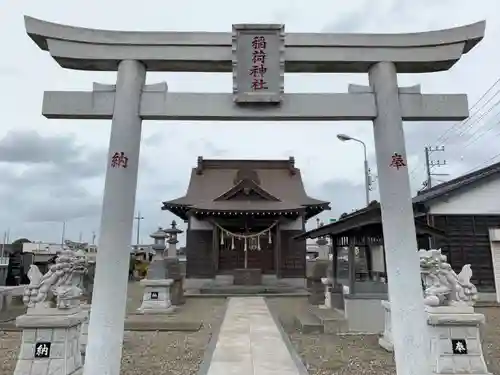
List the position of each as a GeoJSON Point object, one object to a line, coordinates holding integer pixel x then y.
{"type": "Point", "coordinates": [332, 320]}
{"type": "Point", "coordinates": [298, 294]}
{"type": "Point", "coordinates": [154, 323]}
{"type": "Point", "coordinates": [307, 323]}
{"type": "Point", "coordinates": [248, 290]}
{"type": "Point", "coordinates": [487, 304]}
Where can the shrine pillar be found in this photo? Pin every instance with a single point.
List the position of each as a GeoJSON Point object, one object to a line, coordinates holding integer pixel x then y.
{"type": "Point", "coordinates": [411, 345]}
{"type": "Point", "coordinates": [105, 332]}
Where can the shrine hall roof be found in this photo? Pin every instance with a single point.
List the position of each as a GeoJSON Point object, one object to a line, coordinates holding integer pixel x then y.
{"type": "Point", "coordinates": [277, 181]}
{"type": "Point", "coordinates": [360, 222]}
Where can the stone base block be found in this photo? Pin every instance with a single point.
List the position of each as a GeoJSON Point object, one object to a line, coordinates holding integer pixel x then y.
{"type": "Point", "coordinates": [85, 328]}
{"type": "Point", "coordinates": [173, 268]}
{"type": "Point", "coordinates": [384, 343]}
{"type": "Point", "coordinates": [456, 342]}
{"type": "Point", "coordinates": [50, 343]}
{"type": "Point", "coordinates": [177, 293]}
{"type": "Point", "coordinates": [454, 339]}
{"type": "Point", "coordinates": [156, 298]}
{"type": "Point", "coordinates": [248, 276]}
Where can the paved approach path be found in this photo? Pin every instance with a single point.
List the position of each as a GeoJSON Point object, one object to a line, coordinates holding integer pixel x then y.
{"type": "Point", "coordinates": [250, 343]}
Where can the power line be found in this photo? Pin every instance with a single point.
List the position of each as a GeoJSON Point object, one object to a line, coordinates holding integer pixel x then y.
{"type": "Point", "coordinates": [463, 123]}
{"type": "Point", "coordinates": [483, 115]}
{"type": "Point", "coordinates": [440, 138]}
{"type": "Point", "coordinates": [476, 138]}
{"type": "Point", "coordinates": [483, 163]}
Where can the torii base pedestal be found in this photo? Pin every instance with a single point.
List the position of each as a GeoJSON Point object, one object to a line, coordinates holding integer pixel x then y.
{"type": "Point", "coordinates": [84, 329]}
{"type": "Point", "coordinates": [455, 340]}
{"type": "Point", "coordinates": [51, 342]}
{"type": "Point", "coordinates": [156, 297]}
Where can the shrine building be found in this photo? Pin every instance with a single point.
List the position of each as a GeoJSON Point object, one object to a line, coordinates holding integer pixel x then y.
{"type": "Point", "coordinates": [242, 216]}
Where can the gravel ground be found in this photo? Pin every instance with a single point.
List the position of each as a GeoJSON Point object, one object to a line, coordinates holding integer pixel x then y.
{"type": "Point", "coordinates": [361, 355]}
{"type": "Point", "coordinates": [180, 353]}
{"type": "Point", "coordinates": [149, 353]}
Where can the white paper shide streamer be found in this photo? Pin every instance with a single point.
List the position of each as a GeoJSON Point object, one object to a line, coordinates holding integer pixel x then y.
{"type": "Point", "coordinates": [251, 240]}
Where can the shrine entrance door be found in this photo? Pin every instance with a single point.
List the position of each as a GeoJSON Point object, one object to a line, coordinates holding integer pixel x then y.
{"type": "Point", "coordinates": [232, 254]}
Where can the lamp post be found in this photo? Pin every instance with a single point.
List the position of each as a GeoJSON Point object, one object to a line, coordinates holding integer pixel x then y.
{"type": "Point", "coordinates": [345, 138]}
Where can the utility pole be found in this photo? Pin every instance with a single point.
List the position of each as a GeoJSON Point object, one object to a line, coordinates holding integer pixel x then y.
{"type": "Point", "coordinates": [429, 164]}
{"type": "Point", "coordinates": [93, 238]}
{"type": "Point", "coordinates": [3, 244]}
{"type": "Point", "coordinates": [138, 218]}
{"type": "Point", "coordinates": [63, 234]}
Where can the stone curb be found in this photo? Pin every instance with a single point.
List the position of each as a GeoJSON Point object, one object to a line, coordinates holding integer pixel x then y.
{"type": "Point", "coordinates": [149, 326]}
{"type": "Point", "coordinates": [209, 351]}
{"type": "Point", "coordinates": [301, 368]}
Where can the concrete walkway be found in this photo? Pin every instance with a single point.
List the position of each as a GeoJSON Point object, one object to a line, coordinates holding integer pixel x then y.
{"type": "Point", "coordinates": [250, 343]}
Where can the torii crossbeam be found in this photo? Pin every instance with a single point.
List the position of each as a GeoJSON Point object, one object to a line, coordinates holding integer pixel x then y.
{"type": "Point", "coordinates": [382, 56]}
{"type": "Point", "coordinates": [159, 104]}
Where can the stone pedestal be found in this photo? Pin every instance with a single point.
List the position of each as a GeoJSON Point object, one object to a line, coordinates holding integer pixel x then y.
{"type": "Point", "coordinates": [385, 341]}
{"type": "Point", "coordinates": [156, 298]}
{"type": "Point", "coordinates": [327, 285]}
{"type": "Point", "coordinates": [455, 343]}
{"type": "Point", "coordinates": [247, 276]}
{"type": "Point", "coordinates": [172, 250]}
{"type": "Point", "coordinates": [316, 291]}
{"type": "Point", "coordinates": [177, 292]}
{"type": "Point", "coordinates": [85, 328]}
{"type": "Point", "coordinates": [174, 273]}
{"type": "Point", "coordinates": [50, 342]}
{"type": "Point", "coordinates": [157, 268]}
{"type": "Point", "coordinates": [455, 340]}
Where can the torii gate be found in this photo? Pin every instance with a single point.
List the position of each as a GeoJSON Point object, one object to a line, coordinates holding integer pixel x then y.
{"type": "Point", "coordinates": [132, 53]}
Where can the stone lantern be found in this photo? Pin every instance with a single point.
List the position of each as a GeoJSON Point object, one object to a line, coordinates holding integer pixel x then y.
{"type": "Point", "coordinates": [157, 285]}
{"type": "Point", "coordinates": [322, 242]}
{"type": "Point", "coordinates": [172, 239]}
{"type": "Point", "coordinates": [159, 238]}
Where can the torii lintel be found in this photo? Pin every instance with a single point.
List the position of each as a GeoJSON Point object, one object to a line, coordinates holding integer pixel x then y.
{"type": "Point", "coordinates": [102, 50]}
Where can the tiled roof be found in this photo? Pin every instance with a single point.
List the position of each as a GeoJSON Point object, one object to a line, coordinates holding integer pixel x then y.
{"type": "Point", "coordinates": [278, 178]}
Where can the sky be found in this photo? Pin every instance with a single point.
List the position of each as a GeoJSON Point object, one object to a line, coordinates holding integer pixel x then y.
{"type": "Point", "coordinates": [52, 171]}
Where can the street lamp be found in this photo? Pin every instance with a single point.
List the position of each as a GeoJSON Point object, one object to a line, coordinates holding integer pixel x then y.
{"type": "Point", "coordinates": [345, 138]}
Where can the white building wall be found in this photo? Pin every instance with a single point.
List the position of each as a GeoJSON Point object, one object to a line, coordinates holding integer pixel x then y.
{"type": "Point", "coordinates": [482, 199]}
{"type": "Point", "coordinates": [495, 256]}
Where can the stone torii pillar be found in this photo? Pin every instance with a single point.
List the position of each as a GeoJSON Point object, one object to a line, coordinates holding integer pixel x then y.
{"type": "Point", "coordinates": [381, 56]}
{"type": "Point", "coordinates": [107, 316]}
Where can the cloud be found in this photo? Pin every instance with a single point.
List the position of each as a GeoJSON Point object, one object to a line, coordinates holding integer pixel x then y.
{"type": "Point", "coordinates": [47, 177]}
{"type": "Point", "coordinates": [30, 147]}
{"type": "Point", "coordinates": [73, 208]}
